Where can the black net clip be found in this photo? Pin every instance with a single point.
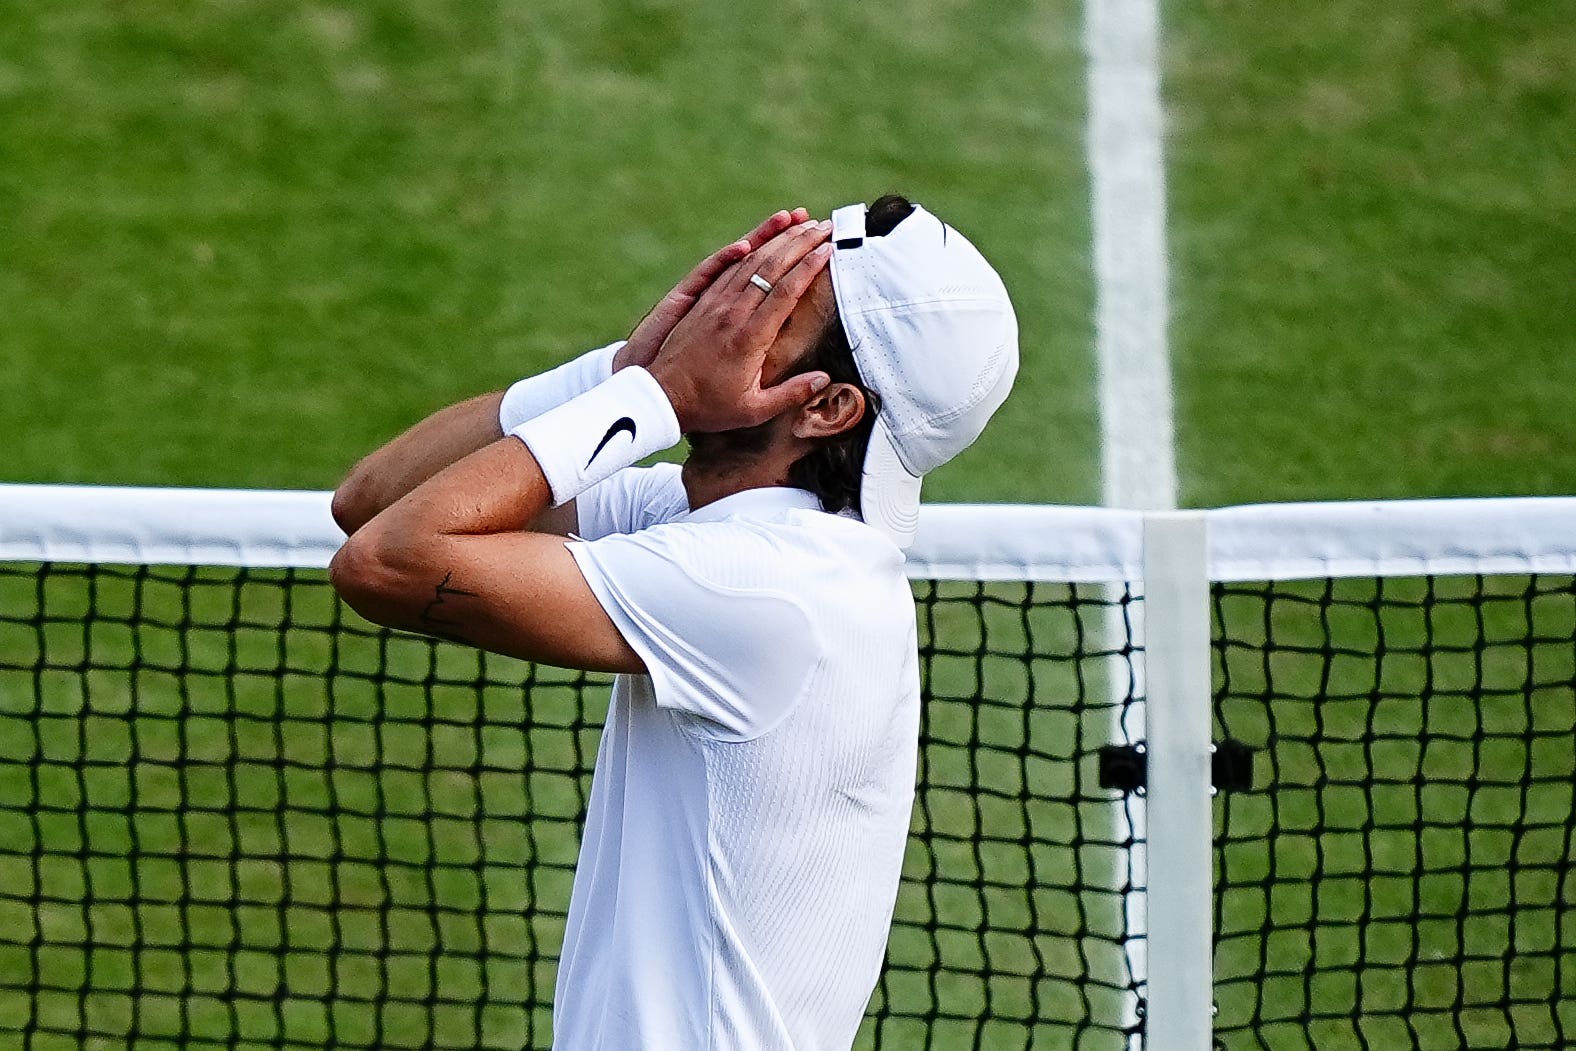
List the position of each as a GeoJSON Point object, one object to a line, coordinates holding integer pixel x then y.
{"type": "Point", "coordinates": [1231, 767]}
{"type": "Point", "coordinates": [1125, 766]}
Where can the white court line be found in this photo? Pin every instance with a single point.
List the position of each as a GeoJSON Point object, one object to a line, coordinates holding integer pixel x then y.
{"type": "Point", "coordinates": [1127, 177]}
{"type": "Point", "coordinates": [1137, 430]}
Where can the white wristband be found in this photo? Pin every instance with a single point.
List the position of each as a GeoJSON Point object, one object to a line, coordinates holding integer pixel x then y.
{"type": "Point", "coordinates": [608, 428]}
{"type": "Point", "coordinates": [534, 395]}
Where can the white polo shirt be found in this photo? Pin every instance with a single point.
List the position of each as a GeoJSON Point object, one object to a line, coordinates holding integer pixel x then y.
{"type": "Point", "coordinates": [752, 792]}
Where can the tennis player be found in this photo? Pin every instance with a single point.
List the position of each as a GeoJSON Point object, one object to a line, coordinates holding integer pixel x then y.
{"type": "Point", "coordinates": [753, 787]}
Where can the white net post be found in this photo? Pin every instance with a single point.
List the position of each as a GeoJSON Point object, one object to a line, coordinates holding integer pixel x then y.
{"type": "Point", "coordinates": [1179, 888]}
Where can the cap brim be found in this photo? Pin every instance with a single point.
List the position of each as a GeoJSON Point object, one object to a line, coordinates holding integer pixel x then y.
{"type": "Point", "coordinates": [889, 492]}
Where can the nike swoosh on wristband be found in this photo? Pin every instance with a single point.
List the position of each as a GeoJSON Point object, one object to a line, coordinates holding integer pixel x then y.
{"type": "Point", "coordinates": [623, 423]}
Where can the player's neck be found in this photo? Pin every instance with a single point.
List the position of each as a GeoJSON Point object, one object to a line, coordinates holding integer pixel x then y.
{"type": "Point", "coordinates": [720, 465]}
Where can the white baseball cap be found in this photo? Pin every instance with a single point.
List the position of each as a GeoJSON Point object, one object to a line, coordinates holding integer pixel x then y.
{"type": "Point", "coordinates": [933, 333]}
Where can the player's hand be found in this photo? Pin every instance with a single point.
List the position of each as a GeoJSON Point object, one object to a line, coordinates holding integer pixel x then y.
{"type": "Point", "coordinates": [641, 349]}
{"type": "Point", "coordinates": [711, 364]}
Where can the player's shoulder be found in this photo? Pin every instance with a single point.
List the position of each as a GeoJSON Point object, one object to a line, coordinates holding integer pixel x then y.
{"type": "Point", "coordinates": [632, 499]}
{"type": "Point", "coordinates": [658, 491]}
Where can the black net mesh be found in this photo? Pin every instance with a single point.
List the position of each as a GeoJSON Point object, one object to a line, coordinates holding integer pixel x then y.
{"type": "Point", "coordinates": [232, 815]}
{"type": "Point", "coordinates": [1400, 875]}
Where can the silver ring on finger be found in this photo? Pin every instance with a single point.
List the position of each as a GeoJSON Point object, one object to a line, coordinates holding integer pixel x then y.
{"type": "Point", "coordinates": [761, 283]}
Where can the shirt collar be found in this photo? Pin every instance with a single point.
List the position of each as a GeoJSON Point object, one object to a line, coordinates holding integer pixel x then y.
{"type": "Point", "coordinates": [756, 503]}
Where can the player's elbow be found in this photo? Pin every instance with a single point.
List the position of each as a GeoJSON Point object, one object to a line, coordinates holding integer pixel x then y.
{"type": "Point", "coordinates": [373, 578]}
{"type": "Point", "coordinates": [353, 505]}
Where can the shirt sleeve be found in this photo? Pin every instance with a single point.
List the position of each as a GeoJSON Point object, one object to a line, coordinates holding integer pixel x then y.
{"type": "Point", "coordinates": [631, 500]}
{"type": "Point", "coordinates": [719, 640]}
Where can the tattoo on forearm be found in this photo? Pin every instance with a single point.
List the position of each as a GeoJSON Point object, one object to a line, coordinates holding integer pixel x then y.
{"type": "Point", "coordinates": [439, 617]}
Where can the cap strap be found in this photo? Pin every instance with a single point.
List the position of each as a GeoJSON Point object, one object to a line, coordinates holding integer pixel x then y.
{"type": "Point", "coordinates": [848, 226]}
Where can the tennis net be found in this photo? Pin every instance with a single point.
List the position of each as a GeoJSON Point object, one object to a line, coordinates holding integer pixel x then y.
{"type": "Point", "coordinates": [1400, 874]}
{"type": "Point", "coordinates": [234, 815]}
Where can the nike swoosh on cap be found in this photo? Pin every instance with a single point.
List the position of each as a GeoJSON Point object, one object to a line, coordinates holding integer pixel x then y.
{"type": "Point", "coordinates": [623, 423]}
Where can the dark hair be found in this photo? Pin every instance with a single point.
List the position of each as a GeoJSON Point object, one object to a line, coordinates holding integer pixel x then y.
{"type": "Point", "coordinates": [833, 469]}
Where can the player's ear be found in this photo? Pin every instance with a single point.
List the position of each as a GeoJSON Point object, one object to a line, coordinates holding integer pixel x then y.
{"type": "Point", "coordinates": [832, 411]}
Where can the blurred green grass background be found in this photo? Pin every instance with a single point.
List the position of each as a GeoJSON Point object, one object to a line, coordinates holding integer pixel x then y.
{"type": "Point", "coordinates": [1370, 212]}
{"type": "Point", "coordinates": [250, 240]}
{"type": "Point", "coordinates": [246, 240]}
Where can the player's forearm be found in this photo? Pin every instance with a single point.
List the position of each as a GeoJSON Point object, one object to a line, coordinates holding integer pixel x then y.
{"type": "Point", "coordinates": [390, 473]}
{"type": "Point", "coordinates": [392, 570]}
{"type": "Point", "coordinates": [455, 559]}
{"type": "Point", "coordinates": [468, 533]}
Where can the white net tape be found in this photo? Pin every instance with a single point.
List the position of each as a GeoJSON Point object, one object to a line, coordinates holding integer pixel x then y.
{"type": "Point", "coordinates": [956, 541]}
